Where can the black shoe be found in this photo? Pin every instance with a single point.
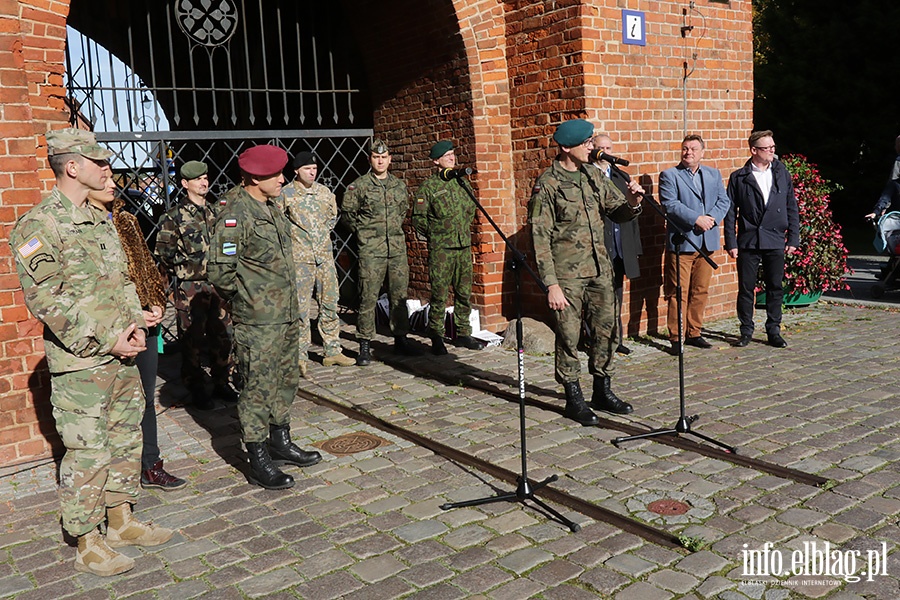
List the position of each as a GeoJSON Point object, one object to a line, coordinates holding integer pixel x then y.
{"type": "Point", "coordinates": [697, 342]}
{"type": "Point", "coordinates": [225, 393]}
{"type": "Point", "coordinates": [200, 399]}
{"type": "Point", "coordinates": [365, 354]}
{"type": "Point", "coordinates": [284, 452]}
{"type": "Point", "coordinates": [437, 346]}
{"type": "Point", "coordinates": [576, 408]}
{"type": "Point", "coordinates": [623, 349]}
{"type": "Point", "coordinates": [403, 346]}
{"type": "Point", "coordinates": [743, 342]}
{"type": "Point", "coordinates": [263, 472]}
{"type": "Point", "coordinates": [157, 477]}
{"type": "Point", "coordinates": [776, 341]}
{"type": "Point", "coordinates": [467, 341]}
{"type": "Point", "coordinates": [604, 398]}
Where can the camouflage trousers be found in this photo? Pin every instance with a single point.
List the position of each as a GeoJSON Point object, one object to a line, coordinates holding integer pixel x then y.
{"type": "Point", "coordinates": [322, 281]}
{"type": "Point", "coordinates": [203, 323]}
{"type": "Point", "coordinates": [594, 299]}
{"type": "Point", "coordinates": [450, 267]}
{"type": "Point", "coordinates": [372, 271]}
{"type": "Point", "coordinates": [267, 359]}
{"type": "Point", "coordinates": [98, 415]}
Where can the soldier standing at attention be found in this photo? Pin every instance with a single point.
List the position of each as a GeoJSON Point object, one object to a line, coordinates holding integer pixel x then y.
{"type": "Point", "coordinates": [311, 208]}
{"type": "Point", "coordinates": [73, 272]}
{"type": "Point", "coordinates": [182, 247]}
{"type": "Point", "coordinates": [443, 215]}
{"type": "Point", "coordinates": [251, 266]}
{"type": "Point", "coordinates": [374, 208]}
{"type": "Point", "coordinates": [566, 211]}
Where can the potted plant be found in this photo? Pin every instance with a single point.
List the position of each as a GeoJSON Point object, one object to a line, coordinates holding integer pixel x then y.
{"type": "Point", "coordinates": [820, 262]}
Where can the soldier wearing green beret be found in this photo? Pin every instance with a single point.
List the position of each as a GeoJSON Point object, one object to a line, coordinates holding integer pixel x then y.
{"type": "Point", "coordinates": [204, 324]}
{"type": "Point", "coordinates": [443, 214]}
{"type": "Point", "coordinates": [566, 211]}
{"type": "Point", "coordinates": [75, 279]}
{"type": "Point", "coordinates": [374, 208]}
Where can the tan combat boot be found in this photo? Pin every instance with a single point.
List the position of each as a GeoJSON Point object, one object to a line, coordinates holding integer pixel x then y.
{"type": "Point", "coordinates": [339, 359]}
{"type": "Point", "coordinates": [304, 370]}
{"type": "Point", "coordinates": [95, 556]}
{"type": "Point", "coordinates": [124, 530]}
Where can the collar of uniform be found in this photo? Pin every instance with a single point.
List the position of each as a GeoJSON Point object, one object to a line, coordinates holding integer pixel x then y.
{"type": "Point", "coordinates": [78, 215]}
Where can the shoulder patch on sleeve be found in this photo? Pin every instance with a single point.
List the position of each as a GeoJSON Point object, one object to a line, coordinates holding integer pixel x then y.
{"type": "Point", "coordinates": [351, 187]}
{"type": "Point", "coordinates": [30, 247]}
{"type": "Point", "coordinates": [536, 188]}
{"type": "Point", "coordinates": [229, 248]}
{"type": "Point", "coordinates": [420, 200]}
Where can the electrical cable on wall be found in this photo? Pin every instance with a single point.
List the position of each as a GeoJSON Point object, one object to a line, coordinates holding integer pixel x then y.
{"type": "Point", "coordinates": [687, 26]}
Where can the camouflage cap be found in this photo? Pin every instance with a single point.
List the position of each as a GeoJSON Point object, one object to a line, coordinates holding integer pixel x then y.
{"type": "Point", "coordinates": [440, 149]}
{"type": "Point", "coordinates": [75, 141]}
{"type": "Point", "coordinates": [377, 146]}
{"type": "Point", "coordinates": [572, 133]}
{"type": "Point", "coordinates": [193, 169]}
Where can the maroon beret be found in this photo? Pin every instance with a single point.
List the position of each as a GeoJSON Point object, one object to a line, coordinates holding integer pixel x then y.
{"type": "Point", "coordinates": [263, 160]}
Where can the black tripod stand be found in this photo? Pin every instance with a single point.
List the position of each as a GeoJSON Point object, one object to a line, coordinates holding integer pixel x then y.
{"type": "Point", "coordinates": [683, 425]}
{"type": "Point", "coordinates": [525, 488]}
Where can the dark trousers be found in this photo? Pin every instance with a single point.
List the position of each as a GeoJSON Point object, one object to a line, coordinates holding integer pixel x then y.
{"type": "Point", "coordinates": [619, 285]}
{"type": "Point", "coordinates": [147, 362]}
{"type": "Point", "coordinates": [748, 263]}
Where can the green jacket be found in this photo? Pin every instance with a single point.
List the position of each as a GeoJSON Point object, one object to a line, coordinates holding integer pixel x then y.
{"type": "Point", "coordinates": [566, 221]}
{"type": "Point", "coordinates": [443, 213]}
{"type": "Point", "coordinates": [75, 278]}
{"type": "Point", "coordinates": [375, 209]}
{"type": "Point", "coordinates": [182, 244]}
{"type": "Point", "coordinates": [250, 261]}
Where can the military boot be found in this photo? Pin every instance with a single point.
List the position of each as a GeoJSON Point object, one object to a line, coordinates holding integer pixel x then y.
{"type": "Point", "coordinates": [365, 355]}
{"type": "Point", "coordinates": [124, 530]}
{"type": "Point", "coordinates": [283, 451]}
{"type": "Point", "coordinates": [340, 359]}
{"type": "Point", "coordinates": [576, 408]}
{"type": "Point", "coordinates": [437, 345]}
{"type": "Point", "coordinates": [403, 346]}
{"type": "Point", "coordinates": [95, 556]}
{"type": "Point", "coordinates": [262, 472]}
{"type": "Point", "coordinates": [603, 398]}
{"type": "Point", "coordinates": [467, 341]}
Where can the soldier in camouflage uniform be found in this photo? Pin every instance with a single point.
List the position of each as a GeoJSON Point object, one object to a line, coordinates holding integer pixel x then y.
{"type": "Point", "coordinates": [182, 247]}
{"type": "Point", "coordinates": [311, 208]}
{"type": "Point", "coordinates": [566, 211]}
{"type": "Point", "coordinates": [374, 208]}
{"type": "Point", "coordinates": [73, 272]}
{"type": "Point", "coordinates": [251, 266]}
{"type": "Point", "coordinates": [443, 215]}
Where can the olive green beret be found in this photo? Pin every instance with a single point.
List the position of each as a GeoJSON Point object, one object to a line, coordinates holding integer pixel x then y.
{"type": "Point", "coordinates": [193, 169]}
{"type": "Point", "coordinates": [440, 149]}
{"type": "Point", "coordinates": [572, 133]}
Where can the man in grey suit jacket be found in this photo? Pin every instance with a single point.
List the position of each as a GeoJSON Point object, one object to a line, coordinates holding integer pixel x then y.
{"type": "Point", "coordinates": [695, 199]}
{"type": "Point", "coordinates": [623, 240]}
{"type": "Point", "coordinates": [765, 210]}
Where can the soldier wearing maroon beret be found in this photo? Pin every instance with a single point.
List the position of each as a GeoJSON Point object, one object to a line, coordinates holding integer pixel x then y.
{"type": "Point", "coordinates": [250, 264]}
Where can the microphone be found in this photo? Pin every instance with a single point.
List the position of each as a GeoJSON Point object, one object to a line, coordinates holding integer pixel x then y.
{"type": "Point", "coordinates": [597, 154]}
{"type": "Point", "coordinates": [451, 174]}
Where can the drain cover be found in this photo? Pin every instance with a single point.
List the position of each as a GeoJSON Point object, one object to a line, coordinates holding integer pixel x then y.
{"type": "Point", "coordinates": [667, 506]}
{"type": "Point", "coordinates": [351, 443]}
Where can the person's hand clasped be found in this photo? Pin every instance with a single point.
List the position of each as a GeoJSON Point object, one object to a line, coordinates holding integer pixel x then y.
{"type": "Point", "coordinates": [129, 343]}
{"type": "Point", "coordinates": [704, 223]}
{"type": "Point", "coordinates": [153, 317]}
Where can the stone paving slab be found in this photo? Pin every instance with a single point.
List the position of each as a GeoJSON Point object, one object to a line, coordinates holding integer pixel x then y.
{"type": "Point", "coordinates": [369, 525]}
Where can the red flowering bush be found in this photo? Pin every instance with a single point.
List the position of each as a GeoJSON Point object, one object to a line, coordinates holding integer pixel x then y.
{"type": "Point", "coordinates": [820, 262]}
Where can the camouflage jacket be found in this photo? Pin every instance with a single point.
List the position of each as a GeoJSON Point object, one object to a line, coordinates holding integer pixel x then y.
{"type": "Point", "coordinates": [73, 272]}
{"type": "Point", "coordinates": [314, 214]}
{"type": "Point", "coordinates": [182, 244]}
{"type": "Point", "coordinates": [566, 220]}
{"type": "Point", "coordinates": [375, 209]}
{"type": "Point", "coordinates": [250, 261]}
{"type": "Point", "coordinates": [443, 213]}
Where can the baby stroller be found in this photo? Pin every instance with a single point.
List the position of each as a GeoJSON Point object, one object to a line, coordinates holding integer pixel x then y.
{"type": "Point", "coordinates": [887, 241]}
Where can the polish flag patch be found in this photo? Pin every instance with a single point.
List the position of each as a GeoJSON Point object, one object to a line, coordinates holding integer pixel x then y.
{"type": "Point", "coordinates": [230, 222]}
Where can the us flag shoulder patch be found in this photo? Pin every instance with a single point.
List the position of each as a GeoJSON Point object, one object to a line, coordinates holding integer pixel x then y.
{"type": "Point", "coordinates": [30, 247]}
{"type": "Point", "coordinates": [230, 222]}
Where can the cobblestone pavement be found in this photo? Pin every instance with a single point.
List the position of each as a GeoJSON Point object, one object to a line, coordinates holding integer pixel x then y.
{"type": "Point", "coordinates": [369, 526]}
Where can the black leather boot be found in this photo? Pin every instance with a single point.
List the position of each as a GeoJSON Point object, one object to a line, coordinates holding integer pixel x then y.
{"type": "Point", "coordinates": [604, 398]}
{"type": "Point", "coordinates": [284, 452]}
{"type": "Point", "coordinates": [365, 354]}
{"type": "Point", "coordinates": [437, 345]}
{"type": "Point", "coordinates": [576, 408]}
{"type": "Point", "coordinates": [403, 346]}
{"type": "Point", "coordinates": [262, 472]}
{"type": "Point", "coordinates": [467, 341]}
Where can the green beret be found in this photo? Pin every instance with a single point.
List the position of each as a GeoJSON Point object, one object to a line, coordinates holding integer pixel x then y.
{"type": "Point", "coordinates": [75, 141]}
{"type": "Point", "coordinates": [573, 133]}
{"type": "Point", "coordinates": [440, 149]}
{"type": "Point", "coordinates": [193, 169]}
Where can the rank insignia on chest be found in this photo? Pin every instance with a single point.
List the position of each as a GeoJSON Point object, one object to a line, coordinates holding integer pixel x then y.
{"type": "Point", "coordinates": [230, 222]}
{"type": "Point", "coordinates": [30, 247]}
{"type": "Point", "coordinates": [229, 248]}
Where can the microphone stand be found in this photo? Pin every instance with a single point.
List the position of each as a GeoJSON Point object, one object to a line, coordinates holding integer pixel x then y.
{"type": "Point", "coordinates": [525, 488]}
{"type": "Point", "coordinates": [683, 425]}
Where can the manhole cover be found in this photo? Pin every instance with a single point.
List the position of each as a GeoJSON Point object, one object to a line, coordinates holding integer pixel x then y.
{"type": "Point", "coordinates": [351, 443]}
{"type": "Point", "coordinates": [667, 506]}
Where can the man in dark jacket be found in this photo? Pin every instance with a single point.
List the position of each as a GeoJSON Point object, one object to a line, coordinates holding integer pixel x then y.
{"type": "Point", "coordinates": [765, 209]}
